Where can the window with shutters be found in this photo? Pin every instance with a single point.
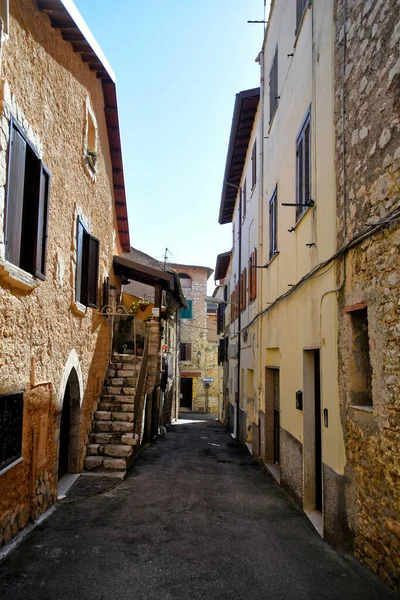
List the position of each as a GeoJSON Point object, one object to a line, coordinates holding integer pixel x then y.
{"type": "Point", "coordinates": [28, 187]}
{"type": "Point", "coordinates": [273, 224]}
{"type": "Point", "coordinates": [186, 280]}
{"type": "Point", "coordinates": [273, 87]}
{"type": "Point", "coordinates": [186, 352]}
{"type": "Point", "coordinates": [87, 266]}
{"type": "Point", "coordinates": [303, 167]}
{"type": "Point", "coordinates": [253, 276]}
{"type": "Point", "coordinates": [187, 313]}
{"type": "Point", "coordinates": [254, 165]}
{"type": "Point", "coordinates": [11, 419]}
{"type": "Point", "coordinates": [300, 8]}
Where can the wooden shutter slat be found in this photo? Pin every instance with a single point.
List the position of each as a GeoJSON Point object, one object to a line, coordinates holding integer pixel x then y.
{"type": "Point", "coordinates": [15, 197]}
{"type": "Point", "coordinates": [42, 219]}
{"type": "Point", "coordinates": [93, 271]}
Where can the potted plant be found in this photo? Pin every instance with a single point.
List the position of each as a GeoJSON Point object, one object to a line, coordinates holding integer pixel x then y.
{"type": "Point", "coordinates": [143, 304]}
{"type": "Point", "coordinates": [91, 157]}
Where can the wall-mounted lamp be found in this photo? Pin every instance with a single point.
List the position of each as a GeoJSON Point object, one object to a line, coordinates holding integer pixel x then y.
{"type": "Point", "coordinates": [198, 356]}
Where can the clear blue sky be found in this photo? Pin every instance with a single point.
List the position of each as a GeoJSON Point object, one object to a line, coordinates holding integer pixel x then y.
{"type": "Point", "coordinates": [178, 65]}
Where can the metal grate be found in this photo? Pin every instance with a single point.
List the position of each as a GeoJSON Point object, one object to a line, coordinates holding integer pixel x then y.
{"type": "Point", "coordinates": [11, 418]}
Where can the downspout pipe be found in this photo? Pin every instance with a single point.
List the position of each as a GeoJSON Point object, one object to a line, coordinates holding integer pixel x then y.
{"type": "Point", "coordinates": [239, 188]}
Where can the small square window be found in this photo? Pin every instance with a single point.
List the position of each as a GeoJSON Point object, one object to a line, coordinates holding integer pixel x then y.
{"type": "Point", "coordinates": [11, 421]}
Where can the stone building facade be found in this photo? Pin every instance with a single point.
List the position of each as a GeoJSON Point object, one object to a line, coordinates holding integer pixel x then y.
{"type": "Point", "coordinates": [198, 355]}
{"type": "Point", "coordinates": [367, 95]}
{"type": "Point", "coordinates": [60, 226]}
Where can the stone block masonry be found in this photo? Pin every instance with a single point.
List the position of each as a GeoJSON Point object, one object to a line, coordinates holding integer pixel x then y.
{"type": "Point", "coordinates": [367, 52]}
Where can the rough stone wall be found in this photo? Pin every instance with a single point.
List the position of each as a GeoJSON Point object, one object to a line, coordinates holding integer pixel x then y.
{"type": "Point", "coordinates": [46, 87]}
{"type": "Point", "coordinates": [194, 331]}
{"type": "Point", "coordinates": [368, 191]}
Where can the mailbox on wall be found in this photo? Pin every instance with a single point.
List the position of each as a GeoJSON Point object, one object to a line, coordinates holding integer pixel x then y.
{"type": "Point", "coordinates": [299, 400]}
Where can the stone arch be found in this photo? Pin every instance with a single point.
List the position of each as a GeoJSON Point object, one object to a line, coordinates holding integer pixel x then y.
{"type": "Point", "coordinates": [69, 423]}
{"type": "Point", "coordinates": [72, 363]}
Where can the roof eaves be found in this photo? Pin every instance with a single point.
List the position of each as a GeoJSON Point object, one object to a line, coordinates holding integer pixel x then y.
{"type": "Point", "coordinates": [226, 211]}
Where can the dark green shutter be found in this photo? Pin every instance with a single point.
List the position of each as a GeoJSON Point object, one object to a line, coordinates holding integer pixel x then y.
{"type": "Point", "coordinates": [79, 261]}
{"type": "Point", "coordinates": [15, 196]}
{"type": "Point", "coordinates": [93, 271]}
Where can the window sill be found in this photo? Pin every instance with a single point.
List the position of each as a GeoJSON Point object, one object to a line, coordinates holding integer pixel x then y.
{"type": "Point", "coordinates": [368, 409]}
{"type": "Point", "coordinates": [273, 119]}
{"type": "Point", "coordinates": [79, 309]}
{"type": "Point", "coordinates": [16, 277]}
{"type": "Point", "coordinates": [301, 217]}
{"type": "Point", "coordinates": [12, 465]}
{"type": "Point", "coordinates": [273, 258]}
{"type": "Point", "coordinates": [300, 25]}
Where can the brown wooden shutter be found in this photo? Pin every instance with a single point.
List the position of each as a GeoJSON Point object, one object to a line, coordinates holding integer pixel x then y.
{"type": "Point", "coordinates": [188, 351]}
{"type": "Point", "coordinates": [249, 262]}
{"type": "Point", "coordinates": [42, 218]}
{"type": "Point", "coordinates": [255, 274]}
{"type": "Point", "coordinates": [79, 261]}
{"type": "Point", "coordinates": [15, 196]}
{"type": "Point", "coordinates": [93, 271]}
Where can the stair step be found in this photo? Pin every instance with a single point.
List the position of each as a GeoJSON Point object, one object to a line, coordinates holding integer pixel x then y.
{"type": "Point", "coordinates": [114, 450]}
{"type": "Point", "coordinates": [127, 373]}
{"type": "Point", "coordinates": [102, 415]}
{"type": "Point", "coordinates": [111, 406]}
{"type": "Point", "coordinates": [115, 464]}
{"type": "Point", "coordinates": [118, 398]}
{"type": "Point", "coordinates": [113, 390]}
{"type": "Point", "coordinates": [93, 450]}
{"type": "Point", "coordinates": [113, 426]}
{"type": "Point", "coordinates": [93, 462]}
{"type": "Point", "coordinates": [117, 451]}
{"type": "Point", "coordinates": [98, 439]}
{"type": "Point", "coordinates": [120, 381]}
{"type": "Point", "coordinates": [115, 381]}
{"type": "Point", "coordinates": [125, 358]}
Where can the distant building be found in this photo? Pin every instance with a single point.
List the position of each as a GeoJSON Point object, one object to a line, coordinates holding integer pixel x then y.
{"type": "Point", "coordinates": [199, 346]}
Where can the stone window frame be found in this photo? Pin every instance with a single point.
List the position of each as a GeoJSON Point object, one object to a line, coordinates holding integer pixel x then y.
{"type": "Point", "coordinates": [79, 309]}
{"type": "Point", "coordinates": [91, 142]}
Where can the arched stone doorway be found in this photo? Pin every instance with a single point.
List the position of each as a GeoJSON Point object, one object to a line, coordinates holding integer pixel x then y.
{"type": "Point", "coordinates": [70, 418]}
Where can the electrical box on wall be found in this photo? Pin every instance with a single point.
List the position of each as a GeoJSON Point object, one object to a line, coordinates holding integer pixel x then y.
{"type": "Point", "coordinates": [299, 400]}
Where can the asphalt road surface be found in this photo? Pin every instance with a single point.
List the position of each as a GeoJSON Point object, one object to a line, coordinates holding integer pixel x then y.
{"type": "Point", "coordinates": [196, 518]}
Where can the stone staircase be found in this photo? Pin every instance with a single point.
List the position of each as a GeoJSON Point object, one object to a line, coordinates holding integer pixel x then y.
{"type": "Point", "coordinates": [112, 441]}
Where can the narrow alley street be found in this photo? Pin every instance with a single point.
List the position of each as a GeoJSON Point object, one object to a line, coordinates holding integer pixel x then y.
{"type": "Point", "coordinates": [195, 518]}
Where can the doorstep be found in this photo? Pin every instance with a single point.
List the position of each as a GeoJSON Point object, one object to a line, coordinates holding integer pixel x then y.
{"type": "Point", "coordinates": [315, 517]}
{"type": "Point", "coordinates": [274, 470]}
